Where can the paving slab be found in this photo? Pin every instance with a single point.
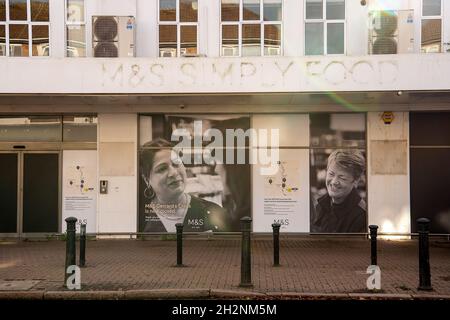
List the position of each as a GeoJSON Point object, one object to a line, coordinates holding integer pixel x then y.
{"type": "Point", "coordinates": [17, 285]}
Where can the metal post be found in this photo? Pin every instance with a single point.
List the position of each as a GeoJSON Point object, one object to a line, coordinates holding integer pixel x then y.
{"type": "Point", "coordinates": [70, 246]}
{"type": "Point", "coordinates": [179, 227]}
{"type": "Point", "coordinates": [82, 245]}
{"type": "Point", "coordinates": [276, 244]}
{"type": "Point", "coordinates": [373, 244]}
{"type": "Point", "coordinates": [424, 255]}
{"type": "Point", "coordinates": [246, 268]}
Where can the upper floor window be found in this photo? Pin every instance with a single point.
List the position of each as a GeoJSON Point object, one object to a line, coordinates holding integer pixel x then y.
{"type": "Point", "coordinates": [324, 27]}
{"type": "Point", "coordinates": [178, 28]}
{"type": "Point", "coordinates": [75, 29]}
{"type": "Point", "coordinates": [431, 39]}
{"type": "Point", "coordinates": [251, 28]}
{"type": "Point", "coordinates": [24, 28]}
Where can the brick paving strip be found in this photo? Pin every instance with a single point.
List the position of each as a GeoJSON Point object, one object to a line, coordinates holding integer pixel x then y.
{"type": "Point", "coordinates": [136, 269]}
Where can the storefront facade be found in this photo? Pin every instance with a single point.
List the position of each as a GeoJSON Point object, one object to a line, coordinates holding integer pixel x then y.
{"type": "Point", "coordinates": [86, 137]}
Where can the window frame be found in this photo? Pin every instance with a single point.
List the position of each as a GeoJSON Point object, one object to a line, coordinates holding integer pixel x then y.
{"type": "Point", "coordinates": [30, 25]}
{"type": "Point", "coordinates": [74, 24]}
{"type": "Point", "coordinates": [325, 23]}
{"type": "Point", "coordinates": [260, 22]}
{"type": "Point", "coordinates": [178, 24]}
{"type": "Point", "coordinates": [440, 17]}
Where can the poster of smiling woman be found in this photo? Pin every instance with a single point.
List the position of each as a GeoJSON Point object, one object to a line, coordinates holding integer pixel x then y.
{"type": "Point", "coordinates": [338, 174]}
{"type": "Point", "coordinates": [185, 185]}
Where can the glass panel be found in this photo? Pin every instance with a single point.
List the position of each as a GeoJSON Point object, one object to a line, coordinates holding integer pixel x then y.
{"type": "Point", "coordinates": [39, 10]}
{"type": "Point", "coordinates": [314, 9]}
{"type": "Point", "coordinates": [41, 46]}
{"type": "Point", "coordinates": [29, 129]}
{"type": "Point", "coordinates": [167, 10]}
{"type": "Point", "coordinates": [8, 190]}
{"type": "Point", "coordinates": [230, 41]}
{"type": "Point", "coordinates": [40, 192]}
{"type": "Point", "coordinates": [76, 41]}
{"type": "Point", "coordinates": [18, 40]}
{"type": "Point", "coordinates": [230, 10]}
{"type": "Point", "coordinates": [18, 10]}
{"type": "Point", "coordinates": [2, 10]}
{"type": "Point", "coordinates": [338, 130]}
{"type": "Point", "coordinates": [80, 128]}
{"type": "Point", "coordinates": [431, 35]}
{"type": "Point", "coordinates": [314, 38]}
{"type": "Point", "coordinates": [167, 41]}
{"type": "Point", "coordinates": [335, 9]}
{"type": "Point", "coordinates": [188, 35]}
{"type": "Point", "coordinates": [251, 9]}
{"type": "Point", "coordinates": [75, 11]}
{"type": "Point", "coordinates": [272, 10]}
{"type": "Point", "coordinates": [188, 10]}
{"type": "Point", "coordinates": [2, 41]}
{"type": "Point", "coordinates": [251, 40]}
{"type": "Point", "coordinates": [431, 7]}
{"type": "Point", "coordinates": [272, 40]}
{"type": "Point", "coordinates": [335, 38]}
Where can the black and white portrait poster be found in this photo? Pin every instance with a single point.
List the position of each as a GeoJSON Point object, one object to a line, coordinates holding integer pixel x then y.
{"type": "Point", "coordinates": [193, 184]}
{"type": "Point", "coordinates": [338, 173]}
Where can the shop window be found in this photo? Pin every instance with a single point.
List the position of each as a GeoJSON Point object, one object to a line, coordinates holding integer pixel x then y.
{"type": "Point", "coordinates": [324, 27]}
{"type": "Point", "coordinates": [75, 29]}
{"type": "Point", "coordinates": [30, 129]}
{"type": "Point", "coordinates": [178, 28]}
{"type": "Point", "coordinates": [24, 28]}
{"type": "Point", "coordinates": [431, 35]}
{"type": "Point", "coordinates": [429, 173]}
{"type": "Point", "coordinates": [251, 28]}
{"type": "Point", "coordinates": [70, 128]}
{"type": "Point", "coordinates": [79, 128]}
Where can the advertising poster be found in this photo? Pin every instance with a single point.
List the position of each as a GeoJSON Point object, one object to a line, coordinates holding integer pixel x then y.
{"type": "Point", "coordinates": [338, 173]}
{"type": "Point", "coordinates": [284, 196]}
{"type": "Point", "coordinates": [205, 188]}
{"type": "Point", "coordinates": [80, 188]}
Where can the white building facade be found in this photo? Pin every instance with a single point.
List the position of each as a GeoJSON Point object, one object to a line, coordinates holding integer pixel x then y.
{"type": "Point", "coordinates": [82, 99]}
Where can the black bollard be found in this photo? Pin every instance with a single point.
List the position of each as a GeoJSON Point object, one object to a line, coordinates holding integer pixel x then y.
{"type": "Point", "coordinates": [82, 245]}
{"type": "Point", "coordinates": [246, 267]}
{"type": "Point", "coordinates": [424, 255]}
{"type": "Point", "coordinates": [179, 227]}
{"type": "Point", "coordinates": [70, 246]}
{"type": "Point", "coordinates": [276, 244]}
{"type": "Point", "coordinates": [373, 244]}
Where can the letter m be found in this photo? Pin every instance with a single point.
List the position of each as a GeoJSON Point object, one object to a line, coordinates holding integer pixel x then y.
{"type": "Point", "coordinates": [112, 75]}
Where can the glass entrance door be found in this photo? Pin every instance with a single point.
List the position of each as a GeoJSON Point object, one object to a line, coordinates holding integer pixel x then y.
{"type": "Point", "coordinates": [29, 191]}
{"type": "Point", "coordinates": [40, 192]}
{"type": "Point", "coordinates": [9, 177]}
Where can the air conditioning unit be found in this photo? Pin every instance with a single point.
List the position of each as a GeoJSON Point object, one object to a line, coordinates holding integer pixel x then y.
{"type": "Point", "coordinates": [391, 32]}
{"type": "Point", "coordinates": [113, 36]}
